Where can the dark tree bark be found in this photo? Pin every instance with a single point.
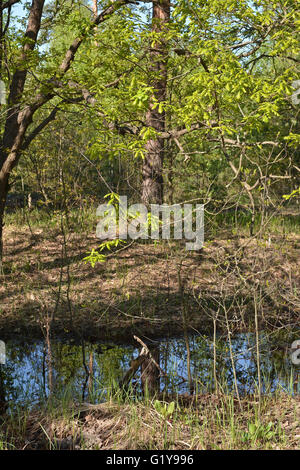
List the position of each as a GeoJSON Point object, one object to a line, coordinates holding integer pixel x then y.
{"type": "Point", "coordinates": [150, 373]}
{"type": "Point", "coordinates": [152, 189]}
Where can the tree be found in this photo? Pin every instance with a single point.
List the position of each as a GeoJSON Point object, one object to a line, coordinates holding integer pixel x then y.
{"type": "Point", "coordinates": [209, 85]}
{"type": "Point", "coordinates": [152, 188]}
{"type": "Point", "coordinates": [21, 108]}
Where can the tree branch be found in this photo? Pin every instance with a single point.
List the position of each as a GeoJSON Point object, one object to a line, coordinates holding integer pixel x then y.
{"type": "Point", "coordinates": [8, 4]}
{"type": "Point", "coordinates": [70, 54]}
{"type": "Point", "coordinates": [18, 121]}
{"type": "Point", "coordinates": [176, 133]}
{"type": "Point", "coordinates": [39, 128]}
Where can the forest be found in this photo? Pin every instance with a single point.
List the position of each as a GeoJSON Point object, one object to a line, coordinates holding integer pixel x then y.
{"type": "Point", "coordinates": [149, 225]}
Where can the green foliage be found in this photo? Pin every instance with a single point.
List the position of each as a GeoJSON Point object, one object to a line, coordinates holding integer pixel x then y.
{"type": "Point", "coordinates": [260, 432]}
{"type": "Point", "coordinates": [230, 70]}
{"type": "Point", "coordinates": [294, 193]}
{"type": "Point", "coordinates": [164, 409]}
{"type": "Point", "coordinates": [95, 256]}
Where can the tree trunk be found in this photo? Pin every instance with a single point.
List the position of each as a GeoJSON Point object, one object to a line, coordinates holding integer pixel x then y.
{"type": "Point", "coordinates": [17, 121]}
{"type": "Point", "coordinates": [152, 172]}
{"type": "Point", "coordinates": [150, 373]}
{"type": "Point", "coordinates": [152, 187]}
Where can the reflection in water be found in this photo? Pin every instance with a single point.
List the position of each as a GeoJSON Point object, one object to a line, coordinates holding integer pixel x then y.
{"type": "Point", "coordinates": [89, 371]}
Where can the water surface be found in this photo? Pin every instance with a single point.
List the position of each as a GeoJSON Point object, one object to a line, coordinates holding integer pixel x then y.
{"type": "Point", "coordinates": [88, 371]}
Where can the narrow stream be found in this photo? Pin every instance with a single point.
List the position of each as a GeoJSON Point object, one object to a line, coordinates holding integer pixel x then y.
{"type": "Point", "coordinates": [88, 371]}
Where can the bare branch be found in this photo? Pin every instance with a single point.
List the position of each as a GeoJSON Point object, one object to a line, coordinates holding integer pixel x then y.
{"type": "Point", "coordinates": [8, 4]}
{"type": "Point", "coordinates": [176, 133]}
{"type": "Point", "coordinates": [40, 127]}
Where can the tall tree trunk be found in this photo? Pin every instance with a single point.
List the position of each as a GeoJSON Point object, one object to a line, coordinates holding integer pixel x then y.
{"type": "Point", "coordinates": [152, 188]}
{"type": "Point", "coordinates": [17, 120]}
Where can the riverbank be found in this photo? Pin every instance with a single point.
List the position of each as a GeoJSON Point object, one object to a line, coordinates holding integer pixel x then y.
{"type": "Point", "coordinates": [192, 423]}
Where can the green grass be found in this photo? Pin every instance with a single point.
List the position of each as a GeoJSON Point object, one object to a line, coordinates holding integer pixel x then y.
{"type": "Point", "coordinates": [207, 422]}
{"type": "Point", "coordinates": [240, 222]}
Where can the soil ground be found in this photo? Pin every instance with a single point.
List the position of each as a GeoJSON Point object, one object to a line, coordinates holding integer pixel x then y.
{"type": "Point", "coordinates": [144, 288]}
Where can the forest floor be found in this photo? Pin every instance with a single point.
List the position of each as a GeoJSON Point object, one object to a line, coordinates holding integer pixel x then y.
{"type": "Point", "coordinates": [198, 423]}
{"type": "Point", "coordinates": [154, 290]}
{"type": "Point", "coordinates": [144, 287]}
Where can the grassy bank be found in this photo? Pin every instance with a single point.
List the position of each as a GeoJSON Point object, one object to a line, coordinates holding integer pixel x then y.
{"type": "Point", "coordinates": [203, 422]}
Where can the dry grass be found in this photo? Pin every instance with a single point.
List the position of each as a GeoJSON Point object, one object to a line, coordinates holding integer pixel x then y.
{"type": "Point", "coordinates": [205, 422]}
{"type": "Point", "coordinates": [142, 287]}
